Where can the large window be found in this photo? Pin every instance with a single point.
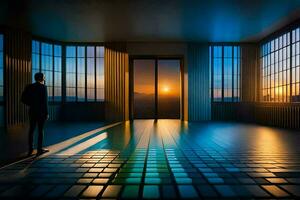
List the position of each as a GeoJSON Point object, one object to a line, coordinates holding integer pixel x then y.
{"type": "Point", "coordinates": [47, 58]}
{"type": "Point", "coordinates": [1, 68]}
{"type": "Point", "coordinates": [84, 73]}
{"type": "Point", "coordinates": [225, 73]}
{"type": "Point", "coordinates": [280, 68]}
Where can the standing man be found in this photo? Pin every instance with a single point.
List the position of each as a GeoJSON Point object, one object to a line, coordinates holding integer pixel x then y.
{"type": "Point", "coordinates": [35, 96]}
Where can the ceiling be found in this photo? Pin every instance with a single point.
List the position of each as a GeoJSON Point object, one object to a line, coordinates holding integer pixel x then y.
{"type": "Point", "coordinates": [150, 20]}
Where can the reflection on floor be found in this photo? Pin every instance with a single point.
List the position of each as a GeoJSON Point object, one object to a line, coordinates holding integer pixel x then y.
{"type": "Point", "coordinates": [168, 159]}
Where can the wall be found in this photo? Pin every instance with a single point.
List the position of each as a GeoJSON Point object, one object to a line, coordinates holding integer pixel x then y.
{"type": "Point", "coordinates": [277, 114]}
{"type": "Point", "coordinates": [199, 79]}
{"type": "Point", "coordinates": [271, 114]}
{"type": "Point", "coordinates": [2, 120]}
{"type": "Point", "coordinates": [116, 82]}
{"type": "Point", "coordinates": [17, 69]}
{"type": "Point", "coordinates": [250, 73]}
{"type": "Point", "coordinates": [55, 112]}
{"type": "Point", "coordinates": [89, 111]}
{"type": "Point", "coordinates": [242, 112]}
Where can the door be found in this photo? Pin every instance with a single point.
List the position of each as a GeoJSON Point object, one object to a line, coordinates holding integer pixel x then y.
{"type": "Point", "coordinates": [156, 88]}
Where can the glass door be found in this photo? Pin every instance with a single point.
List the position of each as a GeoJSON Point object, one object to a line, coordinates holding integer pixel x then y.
{"type": "Point", "coordinates": [144, 88]}
{"type": "Point", "coordinates": [169, 89]}
{"type": "Point", "coordinates": [156, 89]}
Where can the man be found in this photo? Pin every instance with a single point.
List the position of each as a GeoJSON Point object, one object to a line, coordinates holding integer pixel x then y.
{"type": "Point", "coordinates": [35, 96]}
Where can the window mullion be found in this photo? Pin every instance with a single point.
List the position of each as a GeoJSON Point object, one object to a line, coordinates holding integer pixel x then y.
{"type": "Point", "coordinates": [53, 70]}
{"type": "Point", "coordinates": [85, 73]}
{"type": "Point", "coordinates": [290, 67]}
{"type": "Point", "coordinates": [222, 58]}
{"type": "Point", "coordinates": [232, 77]}
{"type": "Point", "coordinates": [76, 74]}
{"type": "Point", "coordinates": [95, 73]}
{"type": "Point", "coordinates": [212, 73]}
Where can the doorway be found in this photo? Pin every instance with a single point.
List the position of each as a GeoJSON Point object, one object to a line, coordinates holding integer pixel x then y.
{"type": "Point", "coordinates": [156, 88]}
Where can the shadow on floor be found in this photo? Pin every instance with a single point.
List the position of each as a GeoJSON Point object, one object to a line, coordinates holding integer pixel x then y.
{"type": "Point", "coordinates": [13, 142]}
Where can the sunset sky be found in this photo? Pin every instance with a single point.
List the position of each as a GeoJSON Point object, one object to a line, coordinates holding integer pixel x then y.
{"type": "Point", "coordinates": [168, 77]}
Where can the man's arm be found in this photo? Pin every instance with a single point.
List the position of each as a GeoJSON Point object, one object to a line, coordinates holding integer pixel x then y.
{"type": "Point", "coordinates": [25, 98]}
{"type": "Point", "coordinates": [46, 101]}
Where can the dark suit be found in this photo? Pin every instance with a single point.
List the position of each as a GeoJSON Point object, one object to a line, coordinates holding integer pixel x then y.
{"type": "Point", "coordinates": [36, 97]}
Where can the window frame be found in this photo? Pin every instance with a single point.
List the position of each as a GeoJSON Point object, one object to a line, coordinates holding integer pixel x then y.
{"type": "Point", "coordinates": [64, 45]}
{"type": "Point", "coordinates": [51, 100]}
{"type": "Point", "coordinates": [290, 54]}
{"type": "Point", "coordinates": [86, 46]}
{"type": "Point", "coordinates": [235, 97]}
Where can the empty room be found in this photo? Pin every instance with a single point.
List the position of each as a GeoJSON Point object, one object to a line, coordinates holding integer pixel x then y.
{"type": "Point", "coordinates": [149, 99]}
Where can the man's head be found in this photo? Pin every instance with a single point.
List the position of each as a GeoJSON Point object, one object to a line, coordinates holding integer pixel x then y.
{"type": "Point", "coordinates": [39, 77]}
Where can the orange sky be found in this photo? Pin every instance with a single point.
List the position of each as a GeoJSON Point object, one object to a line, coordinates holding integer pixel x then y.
{"type": "Point", "coordinates": [168, 77]}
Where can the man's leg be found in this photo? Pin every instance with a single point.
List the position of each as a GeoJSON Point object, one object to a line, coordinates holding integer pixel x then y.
{"type": "Point", "coordinates": [41, 123]}
{"type": "Point", "coordinates": [32, 124]}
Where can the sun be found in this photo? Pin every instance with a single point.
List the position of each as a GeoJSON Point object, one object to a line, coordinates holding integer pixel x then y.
{"type": "Point", "coordinates": [166, 89]}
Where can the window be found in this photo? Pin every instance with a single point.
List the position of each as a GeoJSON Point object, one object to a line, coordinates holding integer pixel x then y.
{"type": "Point", "coordinates": [280, 68]}
{"type": "Point", "coordinates": [275, 66]}
{"type": "Point", "coordinates": [1, 69]}
{"type": "Point", "coordinates": [225, 73]}
{"type": "Point", "coordinates": [47, 58]}
{"type": "Point", "coordinates": [84, 73]}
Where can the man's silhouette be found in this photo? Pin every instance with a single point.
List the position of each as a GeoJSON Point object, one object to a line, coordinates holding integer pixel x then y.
{"type": "Point", "coordinates": [35, 96]}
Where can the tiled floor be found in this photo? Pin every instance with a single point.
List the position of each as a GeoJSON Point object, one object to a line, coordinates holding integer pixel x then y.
{"type": "Point", "coordinates": [167, 159]}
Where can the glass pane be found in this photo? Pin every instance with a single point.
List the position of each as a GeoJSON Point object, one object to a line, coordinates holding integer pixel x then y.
{"type": "Point", "coordinates": [47, 66]}
{"type": "Point", "coordinates": [70, 74]}
{"type": "Point", "coordinates": [169, 89]}
{"type": "Point", "coordinates": [35, 58]}
{"type": "Point", "coordinates": [81, 73]}
{"type": "Point", "coordinates": [217, 76]}
{"type": "Point", "coordinates": [70, 51]}
{"type": "Point", "coordinates": [144, 89]}
{"type": "Point", "coordinates": [228, 73]}
{"type": "Point", "coordinates": [100, 78]}
{"type": "Point", "coordinates": [57, 50]}
{"type": "Point", "coordinates": [91, 79]}
{"type": "Point", "coordinates": [100, 51]}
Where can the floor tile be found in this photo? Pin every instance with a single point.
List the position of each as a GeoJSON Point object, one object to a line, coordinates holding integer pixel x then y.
{"type": "Point", "coordinates": [276, 191]}
{"type": "Point", "coordinates": [293, 189]}
{"type": "Point", "coordinates": [74, 191]}
{"type": "Point", "coordinates": [111, 191]}
{"type": "Point", "coordinates": [151, 192]}
{"type": "Point", "coordinates": [92, 191]}
{"type": "Point", "coordinates": [131, 192]}
{"type": "Point", "coordinates": [187, 191]}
